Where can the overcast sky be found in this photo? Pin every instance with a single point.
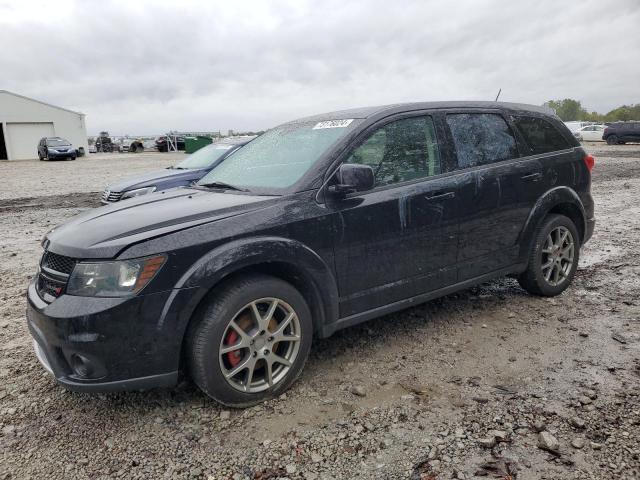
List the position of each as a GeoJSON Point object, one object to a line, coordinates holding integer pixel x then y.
{"type": "Point", "coordinates": [144, 68]}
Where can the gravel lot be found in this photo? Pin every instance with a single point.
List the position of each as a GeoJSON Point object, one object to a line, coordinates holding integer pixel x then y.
{"type": "Point", "coordinates": [474, 383]}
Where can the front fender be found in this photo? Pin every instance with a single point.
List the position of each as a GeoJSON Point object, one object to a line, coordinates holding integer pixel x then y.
{"type": "Point", "coordinates": [552, 198]}
{"type": "Point", "coordinates": [231, 257]}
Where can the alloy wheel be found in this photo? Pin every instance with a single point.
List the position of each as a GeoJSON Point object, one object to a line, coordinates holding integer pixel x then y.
{"type": "Point", "coordinates": [259, 345]}
{"type": "Point", "coordinates": [558, 256]}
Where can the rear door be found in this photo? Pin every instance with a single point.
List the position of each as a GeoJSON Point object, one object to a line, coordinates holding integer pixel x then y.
{"type": "Point", "coordinates": [491, 175]}
{"type": "Point", "coordinates": [399, 239]}
{"type": "Point", "coordinates": [630, 132]}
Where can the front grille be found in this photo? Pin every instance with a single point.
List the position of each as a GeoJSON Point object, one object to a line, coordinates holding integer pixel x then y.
{"type": "Point", "coordinates": [109, 196]}
{"type": "Point", "coordinates": [54, 273]}
{"type": "Point", "coordinates": [49, 286]}
{"type": "Point", "coordinates": [57, 263]}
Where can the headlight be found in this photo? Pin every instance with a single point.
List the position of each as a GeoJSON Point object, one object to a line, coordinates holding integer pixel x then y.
{"type": "Point", "coordinates": [113, 279]}
{"type": "Point", "coordinates": [137, 192]}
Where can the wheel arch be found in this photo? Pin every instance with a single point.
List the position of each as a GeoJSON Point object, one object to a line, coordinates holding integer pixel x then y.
{"type": "Point", "coordinates": [282, 258]}
{"type": "Point", "coordinates": [560, 200]}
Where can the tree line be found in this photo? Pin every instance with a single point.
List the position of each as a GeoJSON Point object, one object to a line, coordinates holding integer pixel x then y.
{"type": "Point", "coordinates": [572, 110]}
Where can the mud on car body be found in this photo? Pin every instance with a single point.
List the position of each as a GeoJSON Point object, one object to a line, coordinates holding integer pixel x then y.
{"type": "Point", "coordinates": [316, 225]}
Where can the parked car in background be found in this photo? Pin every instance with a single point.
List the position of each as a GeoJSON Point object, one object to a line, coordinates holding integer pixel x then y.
{"type": "Point", "coordinates": [163, 146]}
{"type": "Point", "coordinates": [191, 169]}
{"type": "Point", "coordinates": [590, 133]}
{"type": "Point", "coordinates": [576, 125]}
{"type": "Point", "coordinates": [316, 225]}
{"type": "Point", "coordinates": [621, 132]}
{"type": "Point", "coordinates": [56, 148]}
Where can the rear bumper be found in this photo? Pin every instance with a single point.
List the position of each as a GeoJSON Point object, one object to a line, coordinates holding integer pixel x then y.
{"type": "Point", "coordinates": [590, 226]}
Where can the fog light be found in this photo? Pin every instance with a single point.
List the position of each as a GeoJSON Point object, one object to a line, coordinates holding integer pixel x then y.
{"type": "Point", "coordinates": [81, 365]}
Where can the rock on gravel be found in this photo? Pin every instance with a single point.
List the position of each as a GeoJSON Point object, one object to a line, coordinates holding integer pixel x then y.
{"type": "Point", "coordinates": [358, 390]}
{"type": "Point", "coordinates": [548, 442]}
{"type": "Point", "coordinates": [577, 443]}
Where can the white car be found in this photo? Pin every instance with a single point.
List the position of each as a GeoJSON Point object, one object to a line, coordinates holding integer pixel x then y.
{"type": "Point", "coordinates": [590, 133]}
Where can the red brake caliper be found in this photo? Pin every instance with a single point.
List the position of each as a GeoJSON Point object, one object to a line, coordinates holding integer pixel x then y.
{"type": "Point", "coordinates": [235, 356]}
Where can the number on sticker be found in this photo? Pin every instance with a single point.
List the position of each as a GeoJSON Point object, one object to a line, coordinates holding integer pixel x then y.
{"type": "Point", "coordinates": [333, 124]}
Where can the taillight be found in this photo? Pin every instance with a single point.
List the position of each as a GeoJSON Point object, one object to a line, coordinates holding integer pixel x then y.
{"type": "Point", "coordinates": [589, 161]}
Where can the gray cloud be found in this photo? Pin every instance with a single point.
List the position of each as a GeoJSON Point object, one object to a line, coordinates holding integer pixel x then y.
{"type": "Point", "coordinates": [138, 67]}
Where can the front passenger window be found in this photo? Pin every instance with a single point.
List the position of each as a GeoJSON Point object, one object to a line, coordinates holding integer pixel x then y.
{"type": "Point", "coordinates": [400, 151]}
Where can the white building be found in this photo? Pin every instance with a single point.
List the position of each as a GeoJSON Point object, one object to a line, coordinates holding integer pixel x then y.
{"type": "Point", "coordinates": [24, 121]}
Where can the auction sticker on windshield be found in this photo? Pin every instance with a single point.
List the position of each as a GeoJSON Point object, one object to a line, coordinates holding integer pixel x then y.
{"type": "Point", "coordinates": [333, 124]}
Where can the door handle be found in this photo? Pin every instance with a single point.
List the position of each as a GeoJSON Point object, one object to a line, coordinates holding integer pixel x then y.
{"type": "Point", "coordinates": [532, 177]}
{"type": "Point", "coordinates": [441, 196]}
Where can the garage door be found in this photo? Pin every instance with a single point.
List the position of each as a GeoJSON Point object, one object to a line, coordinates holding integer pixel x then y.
{"type": "Point", "coordinates": [22, 139]}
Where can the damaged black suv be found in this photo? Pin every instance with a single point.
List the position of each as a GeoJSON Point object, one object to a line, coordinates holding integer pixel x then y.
{"type": "Point", "coordinates": [316, 225]}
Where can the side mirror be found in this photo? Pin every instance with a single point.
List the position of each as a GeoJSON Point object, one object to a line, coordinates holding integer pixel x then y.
{"type": "Point", "coordinates": [353, 177]}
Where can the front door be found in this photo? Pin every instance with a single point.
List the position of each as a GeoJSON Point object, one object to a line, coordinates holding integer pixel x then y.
{"type": "Point", "coordinates": [399, 239]}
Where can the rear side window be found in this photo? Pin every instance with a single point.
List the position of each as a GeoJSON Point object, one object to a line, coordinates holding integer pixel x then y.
{"type": "Point", "coordinates": [540, 135]}
{"type": "Point", "coordinates": [400, 151]}
{"type": "Point", "coordinates": [481, 138]}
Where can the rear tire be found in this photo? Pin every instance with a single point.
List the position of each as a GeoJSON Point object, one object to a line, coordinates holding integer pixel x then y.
{"type": "Point", "coordinates": [553, 259]}
{"type": "Point", "coordinates": [250, 313]}
{"type": "Point", "coordinates": [612, 140]}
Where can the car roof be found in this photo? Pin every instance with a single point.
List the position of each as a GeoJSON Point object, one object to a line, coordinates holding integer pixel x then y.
{"type": "Point", "coordinates": [367, 112]}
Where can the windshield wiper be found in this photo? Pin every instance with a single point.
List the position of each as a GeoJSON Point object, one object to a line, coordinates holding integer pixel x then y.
{"type": "Point", "coordinates": [222, 185]}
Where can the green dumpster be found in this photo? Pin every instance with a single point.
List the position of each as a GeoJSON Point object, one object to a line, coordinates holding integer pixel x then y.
{"type": "Point", "coordinates": [192, 144]}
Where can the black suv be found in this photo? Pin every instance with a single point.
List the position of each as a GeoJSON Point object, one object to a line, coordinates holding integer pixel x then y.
{"type": "Point", "coordinates": [316, 225]}
{"type": "Point", "coordinates": [621, 132]}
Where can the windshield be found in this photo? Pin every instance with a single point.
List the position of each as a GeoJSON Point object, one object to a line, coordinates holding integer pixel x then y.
{"type": "Point", "coordinates": [278, 158]}
{"type": "Point", "coordinates": [57, 142]}
{"type": "Point", "coordinates": [204, 157]}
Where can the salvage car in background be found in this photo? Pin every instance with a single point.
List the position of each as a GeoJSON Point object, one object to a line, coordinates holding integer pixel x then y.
{"type": "Point", "coordinates": [316, 225]}
{"type": "Point", "coordinates": [56, 148]}
{"type": "Point", "coordinates": [191, 169]}
{"type": "Point", "coordinates": [590, 133]}
{"type": "Point", "coordinates": [621, 132]}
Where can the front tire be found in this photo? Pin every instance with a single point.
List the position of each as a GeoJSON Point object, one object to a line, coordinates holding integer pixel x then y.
{"type": "Point", "coordinates": [250, 340]}
{"type": "Point", "coordinates": [553, 259]}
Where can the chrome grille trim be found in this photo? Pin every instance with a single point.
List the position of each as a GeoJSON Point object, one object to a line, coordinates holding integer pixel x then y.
{"type": "Point", "coordinates": [109, 196]}
{"type": "Point", "coordinates": [57, 263]}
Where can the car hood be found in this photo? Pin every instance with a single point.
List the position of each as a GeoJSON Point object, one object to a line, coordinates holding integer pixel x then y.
{"type": "Point", "coordinates": [151, 178]}
{"type": "Point", "coordinates": [104, 232]}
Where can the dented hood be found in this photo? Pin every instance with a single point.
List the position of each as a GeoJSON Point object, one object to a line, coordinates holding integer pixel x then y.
{"type": "Point", "coordinates": [104, 232]}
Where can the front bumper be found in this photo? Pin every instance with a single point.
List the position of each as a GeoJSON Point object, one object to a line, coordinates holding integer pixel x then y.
{"type": "Point", "coordinates": [105, 344]}
{"type": "Point", "coordinates": [52, 155]}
